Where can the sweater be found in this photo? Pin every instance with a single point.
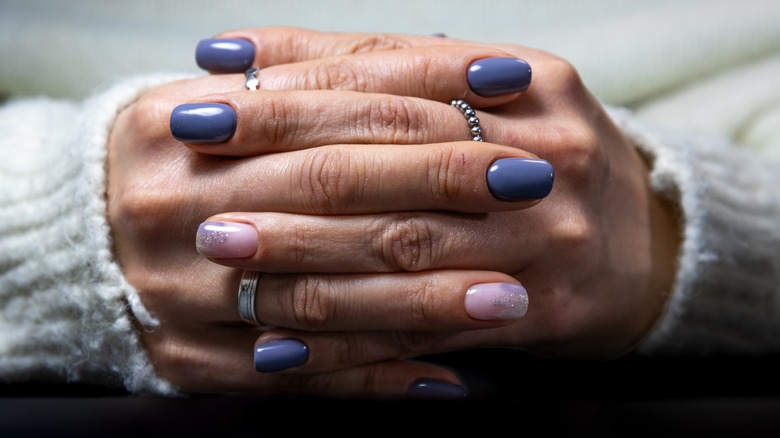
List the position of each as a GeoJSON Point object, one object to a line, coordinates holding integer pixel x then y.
{"type": "Point", "coordinates": [67, 314]}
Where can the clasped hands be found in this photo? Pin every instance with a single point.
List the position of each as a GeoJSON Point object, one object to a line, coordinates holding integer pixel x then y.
{"type": "Point", "coordinates": [382, 231]}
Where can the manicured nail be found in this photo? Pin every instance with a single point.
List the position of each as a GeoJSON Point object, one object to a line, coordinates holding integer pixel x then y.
{"type": "Point", "coordinates": [280, 355]}
{"type": "Point", "coordinates": [513, 179]}
{"type": "Point", "coordinates": [496, 301]}
{"type": "Point", "coordinates": [440, 35]}
{"type": "Point", "coordinates": [435, 389]}
{"type": "Point", "coordinates": [497, 76]}
{"type": "Point", "coordinates": [203, 122]}
{"type": "Point", "coordinates": [225, 55]}
{"type": "Point", "coordinates": [226, 239]}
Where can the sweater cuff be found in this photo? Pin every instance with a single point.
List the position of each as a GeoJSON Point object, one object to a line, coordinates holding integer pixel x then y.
{"type": "Point", "coordinates": [724, 299]}
{"type": "Point", "coordinates": [66, 311]}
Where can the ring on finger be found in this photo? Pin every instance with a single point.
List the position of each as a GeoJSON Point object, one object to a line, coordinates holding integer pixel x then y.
{"type": "Point", "coordinates": [252, 82]}
{"type": "Point", "coordinates": [471, 118]}
{"type": "Point", "coordinates": [247, 292]}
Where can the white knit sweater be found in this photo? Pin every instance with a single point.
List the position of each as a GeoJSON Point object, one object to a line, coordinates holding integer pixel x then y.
{"type": "Point", "coordinates": [66, 311]}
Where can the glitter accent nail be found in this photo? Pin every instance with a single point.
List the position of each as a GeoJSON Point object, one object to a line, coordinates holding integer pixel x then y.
{"type": "Point", "coordinates": [496, 301]}
{"type": "Point", "coordinates": [226, 239]}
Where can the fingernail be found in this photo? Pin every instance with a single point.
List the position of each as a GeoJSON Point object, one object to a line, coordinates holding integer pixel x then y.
{"type": "Point", "coordinates": [439, 35]}
{"type": "Point", "coordinates": [512, 179]}
{"type": "Point", "coordinates": [435, 389]}
{"type": "Point", "coordinates": [280, 355]}
{"type": "Point", "coordinates": [225, 55]}
{"type": "Point", "coordinates": [203, 122]}
{"type": "Point", "coordinates": [226, 239]}
{"type": "Point", "coordinates": [496, 76]}
{"type": "Point", "coordinates": [496, 301]}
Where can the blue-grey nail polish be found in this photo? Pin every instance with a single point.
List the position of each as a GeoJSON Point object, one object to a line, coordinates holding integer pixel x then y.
{"type": "Point", "coordinates": [225, 55]}
{"type": "Point", "coordinates": [513, 179]}
{"type": "Point", "coordinates": [497, 76]}
{"type": "Point", "coordinates": [280, 355]}
{"type": "Point", "coordinates": [203, 122]}
{"type": "Point", "coordinates": [435, 389]}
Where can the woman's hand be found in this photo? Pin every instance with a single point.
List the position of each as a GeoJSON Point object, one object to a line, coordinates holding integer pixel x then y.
{"type": "Point", "coordinates": [159, 193]}
{"type": "Point", "coordinates": [597, 256]}
{"type": "Point", "coordinates": [378, 229]}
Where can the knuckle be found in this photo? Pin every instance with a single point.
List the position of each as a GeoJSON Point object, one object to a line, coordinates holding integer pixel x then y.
{"type": "Point", "coordinates": [396, 118]}
{"type": "Point", "coordinates": [338, 74]}
{"type": "Point", "coordinates": [577, 237]}
{"type": "Point", "coordinates": [446, 170]}
{"type": "Point", "coordinates": [580, 156]}
{"type": "Point", "coordinates": [423, 304]}
{"type": "Point", "coordinates": [153, 113]}
{"type": "Point", "coordinates": [328, 176]}
{"type": "Point", "coordinates": [375, 43]}
{"type": "Point", "coordinates": [564, 74]}
{"type": "Point", "coordinates": [278, 121]}
{"type": "Point", "coordinates": [408, 243]}
{"type": "Point", "coordinates": [311, 304]}
{"type": "Point", "coordinates": [136, 208]}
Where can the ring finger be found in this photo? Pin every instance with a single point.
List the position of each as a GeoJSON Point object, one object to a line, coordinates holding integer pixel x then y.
{"type": "Point", "coordinates": [263, 122]}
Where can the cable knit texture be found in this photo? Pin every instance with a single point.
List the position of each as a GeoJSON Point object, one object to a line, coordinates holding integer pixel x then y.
{"type": "Point", "coordinates": [725, 298]}
{"type": "Point", "coordinates": [64, 304]}
{"type": "Point", "coordinates": [65, 308]}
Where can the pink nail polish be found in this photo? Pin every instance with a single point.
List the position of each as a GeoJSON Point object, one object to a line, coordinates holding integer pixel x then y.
{"type": "Point", "coordinates": [226, 239]}
{"type": "Point", "coordinates": [496, 301]}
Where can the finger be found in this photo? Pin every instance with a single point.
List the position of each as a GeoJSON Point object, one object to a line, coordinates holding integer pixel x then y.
{"type": "Point", "coordinates": [268, 122]}
{"type": "Point", "coordinates": [219, 360]}
{"type": "Point", "coordinates": [425, 301]}
{"type": "Point", "coordinates": [358, 179]}
{"type": "Point", "coordinates": [235, 51]}
{"type": "Point", "coordinates": [483, 76]}
{"type": "Point", "coordinates": [408, 241]}
{"type": "Point", "coordinates": [285, 352]}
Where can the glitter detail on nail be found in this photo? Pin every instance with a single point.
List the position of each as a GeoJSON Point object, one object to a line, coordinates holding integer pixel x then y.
{"type": "Point", "coordinates": [512, 302]}
{"type": "Point", "coordinates": [212, 238]}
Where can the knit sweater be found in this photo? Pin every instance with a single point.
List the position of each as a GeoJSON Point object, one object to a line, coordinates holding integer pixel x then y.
{"type": "Point", "coordinates": [67, 314]}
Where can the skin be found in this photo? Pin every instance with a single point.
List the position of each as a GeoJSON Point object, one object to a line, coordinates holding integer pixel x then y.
{"type": "Point", "coordinates": [373, 216]}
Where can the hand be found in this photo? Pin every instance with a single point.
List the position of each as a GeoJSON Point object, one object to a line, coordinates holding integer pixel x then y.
{"type": "Point", "coordinates": [159, 192]}
{"type": "Point", "coordinates": [597, 257]}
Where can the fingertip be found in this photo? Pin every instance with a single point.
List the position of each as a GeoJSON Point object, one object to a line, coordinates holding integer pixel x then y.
{"type": "Point", "coordinates": [516, 179]}
{"type": "Point", "coordinates": [498, 76]}
{"type": "Point", "coordinates": [225, 55]}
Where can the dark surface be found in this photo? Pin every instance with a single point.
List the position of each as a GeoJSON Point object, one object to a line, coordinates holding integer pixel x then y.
{"type": "Point", "coordinates": [510, 393]}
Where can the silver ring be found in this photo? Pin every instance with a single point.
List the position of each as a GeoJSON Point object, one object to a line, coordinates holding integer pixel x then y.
{"type": "Point", "coordinates": [252, 83]}
{"type": "Point", "coordinates": [471, 117]}
{"type": "Point", "coordinates": [247, 290]}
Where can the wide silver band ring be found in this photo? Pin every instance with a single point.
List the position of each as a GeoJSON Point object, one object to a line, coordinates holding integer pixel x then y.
{"type": "Point", "coordinates": [471, 118]}
{"type": "Point", "coordinates": [252, 82]}
{"type": "Point", "coordinates": [247, 291]}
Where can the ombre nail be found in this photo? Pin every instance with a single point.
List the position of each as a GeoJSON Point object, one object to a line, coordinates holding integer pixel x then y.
{"type": "Point", "coordinates": [226, 239]}
{"type": "Point", "coordinates": [498, 76]}
{"type": "Point", "coordinates": [280, 355]}
{"type": "Point", "coordinates": [496, 301]}
{"type": "Point", "coordinates": [513, 179]}
{"type": "Point", "coordinates": [224, 55]}
{"type": "Point", "coordinates": [435, 389]}
{"type": "Point", "coordinates": [203, 122]}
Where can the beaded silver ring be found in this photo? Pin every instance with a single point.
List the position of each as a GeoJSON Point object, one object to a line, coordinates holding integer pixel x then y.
{"type": "Point", "coordinates": [471, 118]}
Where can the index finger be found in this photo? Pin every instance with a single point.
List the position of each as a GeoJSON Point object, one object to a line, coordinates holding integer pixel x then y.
{"type": "Point", "coordinates": [235, 51]}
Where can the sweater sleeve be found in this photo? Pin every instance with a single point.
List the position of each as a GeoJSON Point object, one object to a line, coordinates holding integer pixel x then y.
{"type": "Point", "coordinates": [66, 312]}
{"type": "Point", "coordinates": [726, 297]}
